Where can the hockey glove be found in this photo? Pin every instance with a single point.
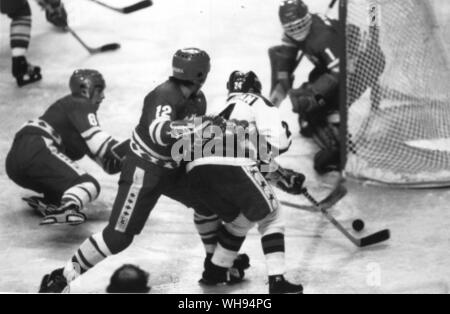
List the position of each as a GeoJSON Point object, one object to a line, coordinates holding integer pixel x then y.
{"type": "Point", "coordinates": [121, 149]}
{"type": "Point", "coordinates": [287, 180]}
{"type": "Point", "coordinates": [55, 12]}
{"type": "Point", "coordinates": [307, 103]}
{"type": "Point", "coordinates": [111, 163]}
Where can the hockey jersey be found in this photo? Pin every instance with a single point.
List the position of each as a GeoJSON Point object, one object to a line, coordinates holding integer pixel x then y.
{"type": "Point", "coordinates": [323, 45]}
{"type": "Point", "coordinates": [71, 122]}
{"type": "Point", "coordinates": [262, 118]}
{"type": "Point", "coordinates": [151, 139]}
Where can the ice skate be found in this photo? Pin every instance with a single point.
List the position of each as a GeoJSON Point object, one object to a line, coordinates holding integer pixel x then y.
{"type": "Point", "coordinates": [24, 72]}
{"type": "Point", "coordinates": [279, 285]}
{"type": "Point", "coordinates": [55, 282]}
{"type": "Point", "coordinates": [67, 214]}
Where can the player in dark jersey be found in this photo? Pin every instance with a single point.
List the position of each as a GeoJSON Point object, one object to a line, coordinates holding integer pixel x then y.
{"type": "Point", "coordinates": [20, 33]}
{"type": "Point", "coordinates": [316, 101]}
{"type": "Point", "coordinates": [44, 153]}
{"type": "Point", "coordinates": [149, 170]}
{"type": "Point", "coordinates": [238, 195]}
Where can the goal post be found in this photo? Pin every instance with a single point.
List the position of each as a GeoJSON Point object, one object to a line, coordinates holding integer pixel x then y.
{"type": "Point", "coordinates": [395, 92]}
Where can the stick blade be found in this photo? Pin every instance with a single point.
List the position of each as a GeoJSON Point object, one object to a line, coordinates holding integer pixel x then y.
{"type": "Point", "coordinates": [110, 47]}
{"type": "Point", "coordinates": [375, 238]}
{"type": "Point", "coordinates": [137, 6]}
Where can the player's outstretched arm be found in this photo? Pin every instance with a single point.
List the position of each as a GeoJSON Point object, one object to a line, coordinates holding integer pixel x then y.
{"type": "Point", "coordinates": [283, 63]}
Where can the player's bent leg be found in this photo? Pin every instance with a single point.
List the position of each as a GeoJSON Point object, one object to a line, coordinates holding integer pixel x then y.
{"type": "Point", "coordinates": [20, 35]}
{"type": "Point", "coordinates": [138, 193]}
{"type": "Point", "coordinates": [94, 250]}
{"type": "Point", "coordinates": [271, 229]}
{"type": "Point", "coordinates": [85, 190]}
{"type": "Point", "coordinates": [35, 163]}
{"type": "Point", "coordinates": [225, 266]}
{"type": "Point", "coordinates": [73, 202]}
{"type": "Point", "coordinates": [327, 138]}
{"type": "Point", "coordinates": [208, 228]}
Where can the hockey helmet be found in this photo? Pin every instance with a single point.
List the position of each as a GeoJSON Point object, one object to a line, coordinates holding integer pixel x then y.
{"type": "Point", "coordinates": [240, 82]}
{"type": "Point", "coordinates": [191, 65]}
{"type": "Point", "coordinates": [84, 82]}
{"type": "Point", "coordinates": [295, 18]}
{"type": "Point", "coordinates": [129, 279]}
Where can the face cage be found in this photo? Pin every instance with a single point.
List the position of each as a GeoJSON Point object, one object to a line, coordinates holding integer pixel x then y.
{"type": "Point", "coordinates": [299, 29]}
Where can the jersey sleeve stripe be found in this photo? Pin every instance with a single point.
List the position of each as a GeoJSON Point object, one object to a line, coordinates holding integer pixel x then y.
{"type": "Point", "coordinates": [97, 143]}
{"type": "Point", "coordinates": [158, 134]}
{"type": "Point", "coordinates": [101, 152]}
{"type": "Point", "coordinates": [138, 141]}
{"type": "Point", "coordinates": [155, 130]}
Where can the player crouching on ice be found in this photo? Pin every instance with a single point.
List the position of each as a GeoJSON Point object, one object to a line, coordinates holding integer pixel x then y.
{"type": "Point", "coordinates": [149, 168]}
{"type": "Point", "coordinates": [43, 155]}
{"type": "Point", "coordinates": [237, 192]}
{"type": "Point", "coordinates": [316, 101]}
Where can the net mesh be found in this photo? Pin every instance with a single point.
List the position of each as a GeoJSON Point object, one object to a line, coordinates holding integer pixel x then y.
{"type": "Point", "coordinates": [398, 92]}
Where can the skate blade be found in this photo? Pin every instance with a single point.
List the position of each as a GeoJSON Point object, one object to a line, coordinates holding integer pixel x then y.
{"type": "Point", "coordinates": [66, 219]}
{"type": "Point", "coordinates": [28, 80]}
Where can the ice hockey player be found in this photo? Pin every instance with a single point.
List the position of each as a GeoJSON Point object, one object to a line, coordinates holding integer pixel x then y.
{"type": "Point", "coordinates": [237, 195]}
{"type": "Point", "coordinates": [20, 33]}
{"type": "Point", "coordinates": [44, 153]}
{"type": "Point", "coordinates": [316, 101]}
{"type": "Point", "coordinates": [149, 169]}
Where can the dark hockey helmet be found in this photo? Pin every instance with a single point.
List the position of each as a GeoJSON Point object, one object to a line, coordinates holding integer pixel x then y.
{"type": "Point", "coordinates": [240, 82]}
{"type": "Point", "coordinates": [129, 279]}
{"type": "Point", "coordinates": [191, 65]}
{"type": "Point", "coordinates": [295, 18]}
{"type": "Point", "coordinates": [84, 82]}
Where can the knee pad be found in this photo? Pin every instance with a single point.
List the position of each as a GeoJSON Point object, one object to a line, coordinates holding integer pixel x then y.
{"type": "Point", "coordinates": [116, 241]}
{"type": "Point", "coordinates": [240, 226]}
{"type": "Point", "coordinates": [272, 223]}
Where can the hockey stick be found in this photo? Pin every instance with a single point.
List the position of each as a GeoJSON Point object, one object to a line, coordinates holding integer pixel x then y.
{"type": "Point", "coordinates": [335, 196]}
{"type": "Point", "coordinates": [129, 9]}
{"type": "Point", "coordinates": [372, 239]}
{"type": "Point", "coordinates": [104, 48]}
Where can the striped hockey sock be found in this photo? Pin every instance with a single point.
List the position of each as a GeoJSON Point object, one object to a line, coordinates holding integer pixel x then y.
{"type": "Point", "coordinates": [91, 252]}
{"type": "Point", "coordinates": [273, 248]}
{"type": "Point", "coordinates": [208, 227]}
{"type": "Point", "coordinates": [227, 248]}
{"type": "Point", "coordinates": [20, 34]}
{"type": "Point", "coordinates": [81, 194]}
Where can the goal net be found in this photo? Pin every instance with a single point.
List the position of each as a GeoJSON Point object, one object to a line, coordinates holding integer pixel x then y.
{"type": "Point", "coordinates": [397, 91]}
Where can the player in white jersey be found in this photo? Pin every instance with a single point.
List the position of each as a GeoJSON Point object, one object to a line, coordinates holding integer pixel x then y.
{"type": "Point", "coordinates": [232, 185]}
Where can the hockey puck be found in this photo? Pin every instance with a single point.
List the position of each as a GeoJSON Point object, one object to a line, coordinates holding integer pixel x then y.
{"type": "Point", "coordinates": [358, 225]}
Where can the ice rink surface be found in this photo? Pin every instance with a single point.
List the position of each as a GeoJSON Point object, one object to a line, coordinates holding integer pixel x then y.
{"type": "Point", "coordinates": [237, 34]}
